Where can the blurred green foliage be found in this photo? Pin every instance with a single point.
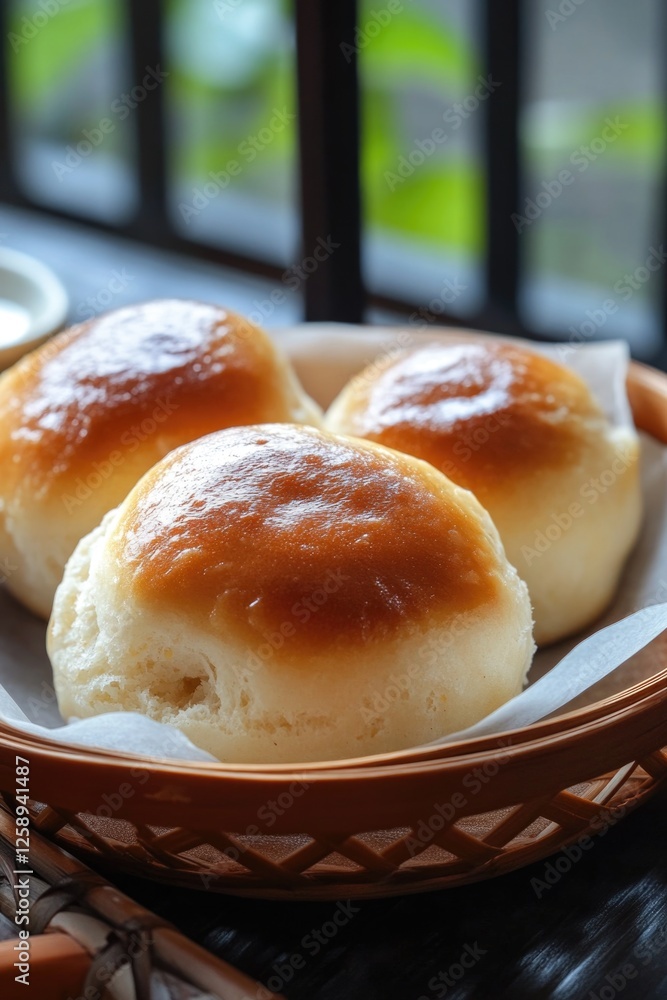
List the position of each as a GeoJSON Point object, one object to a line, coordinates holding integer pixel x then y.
{"type": "Point", "coordinates": [417, 56]}
{"type": "Point", "coordinates": [231, 64]}
{"type": "Point", "coordinates": [43, 61]}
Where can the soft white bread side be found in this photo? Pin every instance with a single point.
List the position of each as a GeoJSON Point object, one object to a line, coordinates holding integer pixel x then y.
{"type": "Point", "coordinates": [281, 594]}
{"type": "Point", "coordinates": [84, 416]}
{"type": "Point", "coordinates": [527, 437]}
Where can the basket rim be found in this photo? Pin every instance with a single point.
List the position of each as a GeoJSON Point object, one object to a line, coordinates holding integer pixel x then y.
{"type": "Point", "coordinates": [359, 798]}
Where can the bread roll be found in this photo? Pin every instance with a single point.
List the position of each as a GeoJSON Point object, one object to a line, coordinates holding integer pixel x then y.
{"type": "Point", "coordinates": [280, 594]}
{"type": "Point", "coordinates": [84, 416]}
{"type": "Point", "coordinates": [528, 438]}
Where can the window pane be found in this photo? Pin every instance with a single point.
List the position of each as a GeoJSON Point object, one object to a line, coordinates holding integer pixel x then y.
{"type": "Point", "coordinates": [232, 121]}
{"type": "Point", "coordinates": [74, 133]}
{"type": "Point", "coordinates": [594, 110]}
{"type": "Point", "coordinates": [423, 182]}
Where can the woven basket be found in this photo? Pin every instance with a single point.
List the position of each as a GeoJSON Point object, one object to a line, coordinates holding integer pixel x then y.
{"type": "Point", "coordinates": [396, 823]}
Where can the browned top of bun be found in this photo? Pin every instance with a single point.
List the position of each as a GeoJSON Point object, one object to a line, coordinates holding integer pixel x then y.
{"type": "Point", "coordinates": [244, 529]}
{"type": "Point", "coordinates": [484, 414]}
{"type": "Point", "coordinates": [183, 368]}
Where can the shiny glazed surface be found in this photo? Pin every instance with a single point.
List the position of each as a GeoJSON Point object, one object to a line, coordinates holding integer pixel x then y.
{"type": "Point", "coordinates": [267, 529]}
{"type": "Point", "coordinates": [171, 369]}
{"type": "Point", "coordinates": [478, 412]}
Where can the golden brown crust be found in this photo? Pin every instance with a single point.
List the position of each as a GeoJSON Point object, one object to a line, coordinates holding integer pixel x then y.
{"type": "Point", "coordinates": [484, 414]}
{"type": "Point", "coordinates": [171, 368]}
{"type": "Point", "coordinates": [260, 530]}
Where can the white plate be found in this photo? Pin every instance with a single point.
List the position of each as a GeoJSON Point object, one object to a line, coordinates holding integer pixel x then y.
{"type": "Point", "coordinates": [33, 305]}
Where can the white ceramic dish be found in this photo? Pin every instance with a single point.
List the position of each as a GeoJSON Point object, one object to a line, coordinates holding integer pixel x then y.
{"type": "Point", "coordinates": [33, 305]}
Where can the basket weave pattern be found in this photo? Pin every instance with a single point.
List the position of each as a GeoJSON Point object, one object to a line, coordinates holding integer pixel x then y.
{"type": "Point", "coordinates": [380, 863]}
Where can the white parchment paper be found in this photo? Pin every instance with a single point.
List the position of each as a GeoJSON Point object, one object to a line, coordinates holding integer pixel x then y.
{"type": "Point", "coordinates": [627, 645]}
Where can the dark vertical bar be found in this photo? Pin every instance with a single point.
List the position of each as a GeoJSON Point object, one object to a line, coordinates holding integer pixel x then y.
{"type": "Point", "coordinates": [7, 177]}
{"type": "Point", "coordinates": [329, 157]}
{"type": "Point", "coordinates": [503, 36]}
{"type": "Point", "coordinates": [660, 359]}
{"type": "Point", "coordinates": [144, 21]}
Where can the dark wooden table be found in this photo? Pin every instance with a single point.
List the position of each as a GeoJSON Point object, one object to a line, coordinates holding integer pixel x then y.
{"type": "Point", "coordinates": [598, 932]}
